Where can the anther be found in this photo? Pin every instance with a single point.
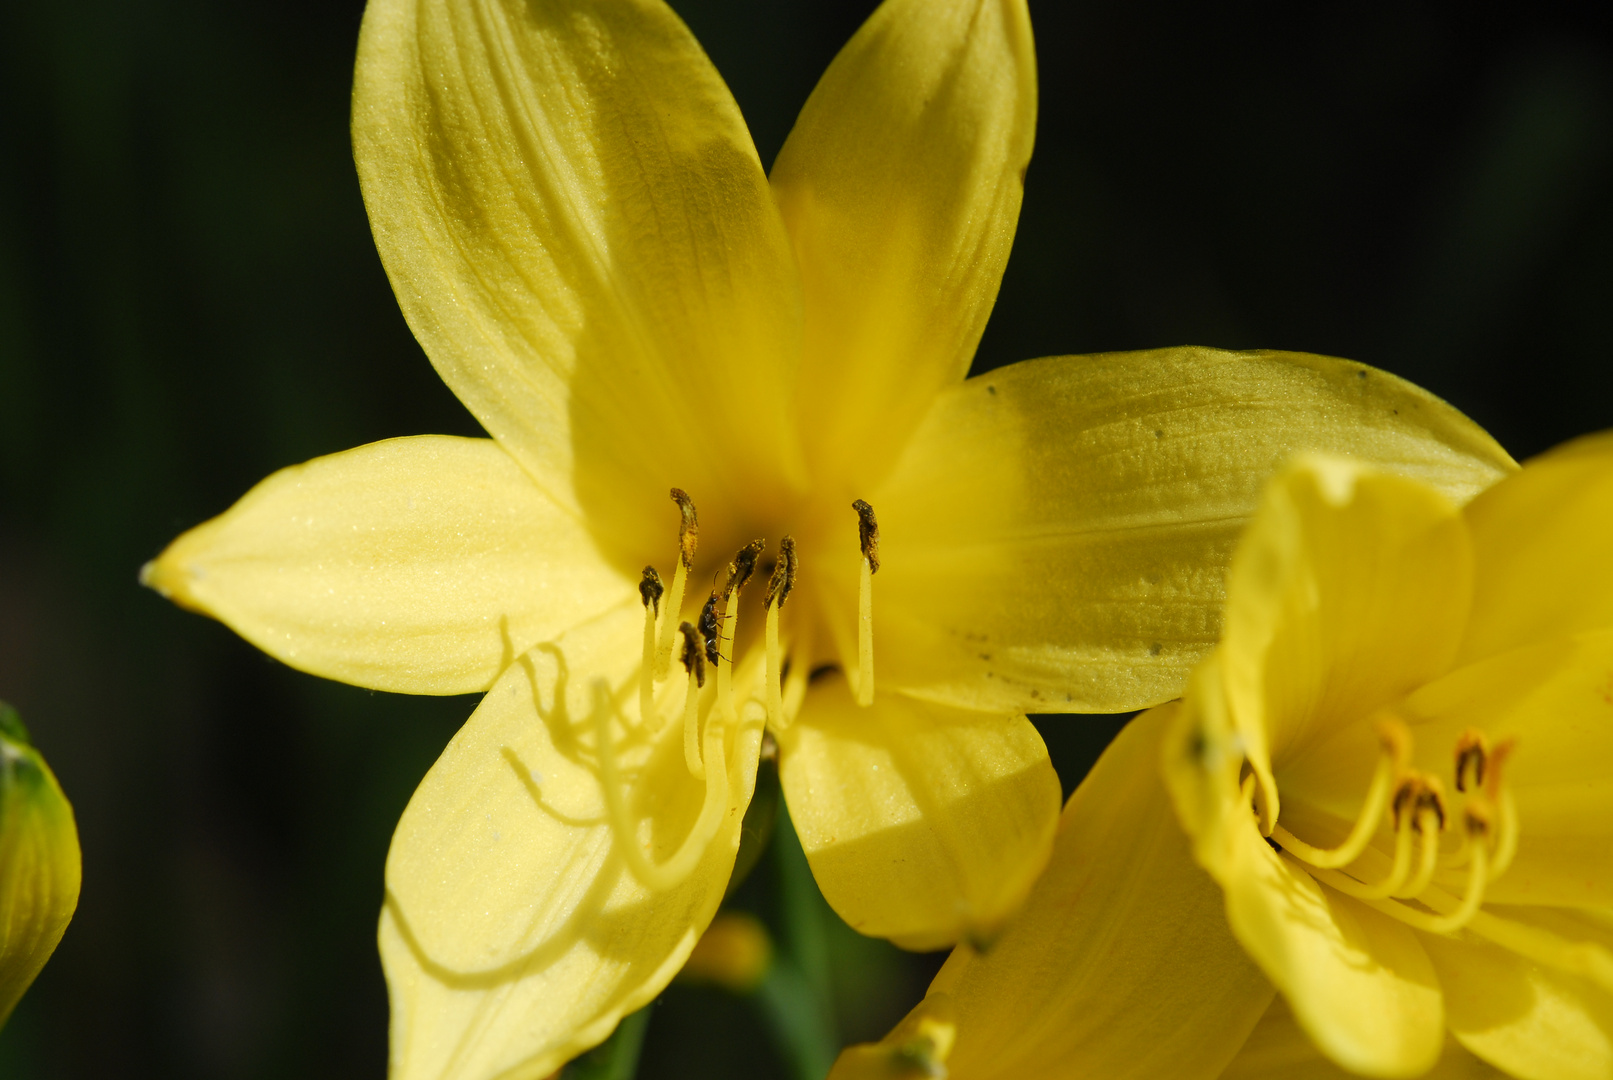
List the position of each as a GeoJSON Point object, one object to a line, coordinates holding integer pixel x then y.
{"type": "Point", "coordinates": [689, 529]}
{"type": "Point", "coordinates": [1472, 750]}
{"type": "Point", "coordinates": [868, 538]}
{"type": "Point", "coordinates": [743, 566]}
{"type": "Point", "coordinates": [778, 590]}
{"type": "Point", "coordinates": [867, 534]}
{"type": "Point", "coordinates": [688, 540]}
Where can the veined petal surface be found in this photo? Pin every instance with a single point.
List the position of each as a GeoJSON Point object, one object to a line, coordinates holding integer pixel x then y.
{"type": "Point", "coordinates": [1350, 588]}
{"type": "Point", "coordinates": [1279, 1049]}
{"type": "Point", "coordinates": [578, 229]}
{"type": "Point", "coordinates": [1544, 542]}
{"type": "Point", "coordinates": [1121, 964]}
{"type": "Point", "coordinates": [1535, 1023]}
{"type": "Point", "coordinates": [900, 185]}
{"type": "Point", "coordinates": [1056, 533]}
{"type": "Point", "coordinates": [922, 823]}
{"type": "Point", "coordinates": [421, 565]}
{"type": "Point", "coordinates": [514, 934]}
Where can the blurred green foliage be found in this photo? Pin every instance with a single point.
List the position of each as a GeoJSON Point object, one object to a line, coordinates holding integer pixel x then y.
{"type": "Point", "coordinates": [189, 299]}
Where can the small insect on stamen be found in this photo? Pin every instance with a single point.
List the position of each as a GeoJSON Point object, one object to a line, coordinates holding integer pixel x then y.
{"type": "Point", "coordinates": [722, 630]}
{"type": "Point", "coordinates": [694, 662]}
{"type": "Point", "coordinates": [868, 539]}
{"type": "Point", "coordinates": [710, 629]}
{"type": "Point", "coordinates": [650, 589]}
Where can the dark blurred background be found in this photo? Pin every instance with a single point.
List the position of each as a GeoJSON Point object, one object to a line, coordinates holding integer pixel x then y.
{"type": "Point", "coordinates": [189, 299]}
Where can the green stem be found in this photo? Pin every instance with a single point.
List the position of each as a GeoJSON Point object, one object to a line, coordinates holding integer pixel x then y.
{"type": "Point", "coordinates": [617, 1057]}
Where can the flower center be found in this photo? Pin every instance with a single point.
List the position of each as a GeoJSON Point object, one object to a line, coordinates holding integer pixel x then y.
{"type": "Point", "coordinates": [709, 642]}
{"type": "Point", "coordinates": [1416, 805]}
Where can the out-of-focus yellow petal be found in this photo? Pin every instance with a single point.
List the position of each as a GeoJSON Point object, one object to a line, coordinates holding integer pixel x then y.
{"type": "Point", "coordinates": [1557, 699]}
{"type": "Point", "coordinates": [1358, 980]}
{"type": "Point", "coordinates": [1278, 1049]}
{"type": "Point", "coordinates": [900, 186]}
{"type": "Point", "coordinates": [514, 934]}
{"type": "Point", "coordinates": [1349, 589]}
{"type": "Point", "coordinates": [1121, 964]}
{"type": "Point", "coordinates": [1543, 543]}
{"type": "Point", "coordinates": [1535, 1023]}
{"type": "Point", "coordinates": [923, 824]}
{"type": "Point", "coordinates": [421, 565]}
{"type": "Point", "coordinates": [582, 237]}
{"type": "Point", "coordinates": [40, 867]}
{"type": "Point", "coordinates": [1056, 535]}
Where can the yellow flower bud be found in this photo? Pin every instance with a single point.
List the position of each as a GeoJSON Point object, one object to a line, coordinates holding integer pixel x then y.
{"type": "Point", "coordinates": [39, 861]}
{"type": "Point", "coordinates": [734, 952]}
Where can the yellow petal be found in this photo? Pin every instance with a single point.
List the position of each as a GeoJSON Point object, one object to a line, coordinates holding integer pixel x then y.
{"type": "Point", "coordinates": [1056, 535]}
{"type": "Point", "coordinates": [580, 234]}
{"type": "Point", "coordinates": [514, 934]}
{"type": "Point", "coordinates": [1543, 547]}
{"type": "Point", "coordinates": [1278, 1049]}
{"type": "Point", "coordinates": [900, 186]}
{"type": "Point", "coordinates": [923, 824]}
{"type": "Point", "coordinates": [1534, 1023]}
{"type": "Point", "coordinates": [1557, 699]}
{"type": "Point", "coordinates": [1358, 981]}
{"type": "Point", "coordinates": [420, 565]}
{"type": "Point", "coordinates": [1121, 963]}
{"type": "Point", "coordinates": [39, 862]}
{"type": "Point", "coordinates": [1350, 588]}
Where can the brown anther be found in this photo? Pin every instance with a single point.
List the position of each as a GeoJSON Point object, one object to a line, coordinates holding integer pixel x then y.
{"type": "Point", "coordinates": [1417, 792]}
{"type": "Point", "coordinates": [650, 589]}
{"type": "Point", "coordinates": [689, 530]}
{"type": "Point", "coordinates": [1396, 741]}
{"type": "Point", "coordinates": [783, 579]}
{"type": "Point", "coordinates": [1478, 815]}
{"type": "Point", "coordinates": [743, 566]}
{"type": "Point", "coordinates": [868, 534]}
{"type": "Point", "coordinates": [1472, 753]}
{"type": "Point", "coordinates": [1495, 767]}
{"type": "Point", "coordinates": [694, 657]}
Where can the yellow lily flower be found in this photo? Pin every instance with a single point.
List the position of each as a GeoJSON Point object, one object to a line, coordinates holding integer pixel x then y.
{"type": "Point", "coordinates": [40, 868]}
{"type": "Point", "coordinates": [1395, 768]}
{"type": "Point", "coordinates": [580, 233]}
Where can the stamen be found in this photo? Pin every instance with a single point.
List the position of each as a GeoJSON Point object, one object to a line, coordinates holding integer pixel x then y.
{"type": "Point", "coordinates": [739, 572]}
{"type": "Point", "coordinates": [1426, 825]}
{"type": "Point", "coordinates": [694, 662]}
{"type": "Point", "coordinates": [778, 590]}
{"type": "Point", "coordinates": [649, 590]}
{"type": "Point", "coordinates": [868, 538]}
{"type": "Point", "coordinates": [1398, 871]}
{"type": "Point", "coordinates": [1506, 835]}
{"type": "Point", "coordinates": [688, 540]}
{"type": "Point", "coordinates": [1396, 744]}
{"type": "Point", "coordinates": [658, 877]}
{"type": "Point", "coordinates": [1472, 748]}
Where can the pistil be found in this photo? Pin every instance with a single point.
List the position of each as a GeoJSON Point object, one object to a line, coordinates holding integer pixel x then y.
{"type": "Point", "coordinates": [868, 538]}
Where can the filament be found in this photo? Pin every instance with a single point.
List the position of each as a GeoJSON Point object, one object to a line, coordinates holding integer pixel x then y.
{"type": "Point", "coordinates": [865, 635]}
{"type": "Point", "coordinates": [775, 692]}
{"type": "Point", "coordinates": [1427, 829]}
{"type": "Point", "coordinates": [663, 876]}
{"type": "Point", "coordinates": [674, 604]}
{"type": "Point", "coordinates": [725, 643]}
{"type": "Point", "coordinates": [646, 678]}
{"type": "Point", "coordinates": [691, 730]}
{"type": "Point", "coordinates": [1366, 823]}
